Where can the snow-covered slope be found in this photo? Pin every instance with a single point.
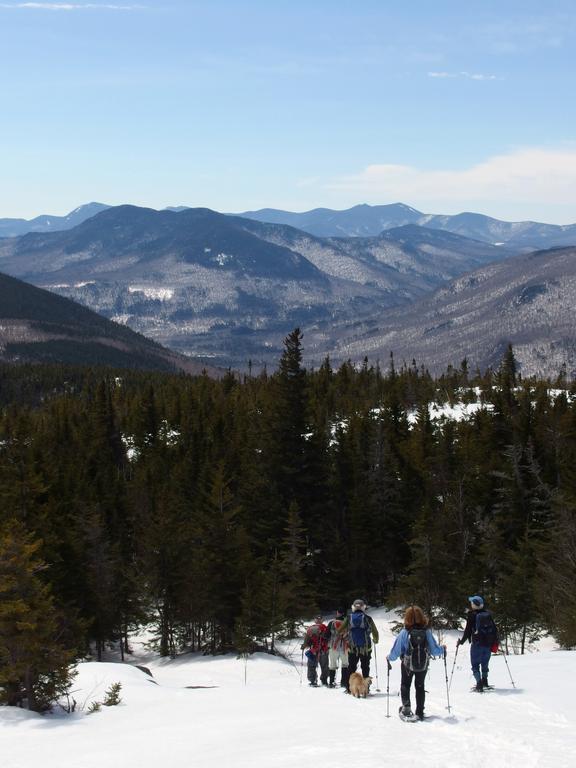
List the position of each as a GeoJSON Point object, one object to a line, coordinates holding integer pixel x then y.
{"type": "Point", "coordinates": [260, 715]}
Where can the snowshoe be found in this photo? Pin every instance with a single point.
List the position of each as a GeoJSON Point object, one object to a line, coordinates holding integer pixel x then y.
{"type": "Point", "coordinates": [406, 714]}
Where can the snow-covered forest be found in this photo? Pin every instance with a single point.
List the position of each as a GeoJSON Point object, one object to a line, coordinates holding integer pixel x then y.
{"type": "Point", "coordinates": [219, 514]}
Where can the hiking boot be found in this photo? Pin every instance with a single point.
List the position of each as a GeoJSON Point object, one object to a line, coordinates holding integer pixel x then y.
{"type": "Point", "coordinates": [406, 711]}
{"type": "Point", "coordinates": [479, 687]}
{"type": "Point", "coordinates": [420, 714]}
{"type": "Point", "coordinates": [485, 682]}
{"type": "Point", "coordinates": [313, 684]}
{"type": "Point", "coordinates": [331, 685]}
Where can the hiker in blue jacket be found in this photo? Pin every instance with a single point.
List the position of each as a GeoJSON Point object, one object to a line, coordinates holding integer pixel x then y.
{"type": "Point", "coordinates": [482, 633]}
{"type": "Point", "coordinates": [414, 646]}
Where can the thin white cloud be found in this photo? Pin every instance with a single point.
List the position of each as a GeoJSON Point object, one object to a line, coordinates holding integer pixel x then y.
{"type": "Point", "coordinates": [466, 75]}
{"type": "Point", "coordinates": [70, 6]}
{"type": "Point", "coordinates": [538, 176]}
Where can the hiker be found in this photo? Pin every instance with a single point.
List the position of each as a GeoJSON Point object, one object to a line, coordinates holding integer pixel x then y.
{"type": "Point", "coordinates": [481, 631]}
{"type": "Point", "coordinates": [414, 645]}
{"type": "Point", "coordinates": [361, 631]}
{"type": "Point", "coordinates": [337, 650]}
{"type": "Point", "coordinates": [315, 646]}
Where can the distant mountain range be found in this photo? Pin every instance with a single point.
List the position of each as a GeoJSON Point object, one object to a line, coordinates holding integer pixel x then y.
{"type": "Point", "coordinates": [39, 326]}
{"type": "Point", "coordinates": [370, 220]}
{"type": "Point", "coordinates": [229, 288]}
{"type": "Point", "coordinates": [45, 223]}
{"type": "Point", "coordinates": [359, 221]}
{"type": "Point", "coordinates": [208, 284]}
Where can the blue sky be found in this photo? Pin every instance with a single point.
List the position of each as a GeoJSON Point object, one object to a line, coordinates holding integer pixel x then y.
{"type": "Point", "coordinates": [446, 106]}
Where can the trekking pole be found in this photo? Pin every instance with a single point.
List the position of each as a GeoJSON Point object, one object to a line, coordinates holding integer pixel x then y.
{"type": "Point", "coordinates": [376, 666]}
{"type": "Point", "coordinates": [446, 676]}
{"type": "Point", "coordinates": [453, 665]}
{"type": "Point", "coordinates": [301, 666]}
{"type": "Point", "coordinates": [508, 668]}
{"type": "Point", "coordinates": [388, 688]}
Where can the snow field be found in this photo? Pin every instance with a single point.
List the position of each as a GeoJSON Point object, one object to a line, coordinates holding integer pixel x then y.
{"type": "Point", "coordinates": [261, 716]}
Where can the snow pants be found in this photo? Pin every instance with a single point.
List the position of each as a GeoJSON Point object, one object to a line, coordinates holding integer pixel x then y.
{"type": "Point", "coordinates": [480, 658]}
{"type": "Point", "coordinates": [313, 661]}
{"type": "Point", "coordinates": [353, 658]}
{"type": "Point", "coordinates": [336, 655]}
{"type": "Point", "coordinates": [406, 682]}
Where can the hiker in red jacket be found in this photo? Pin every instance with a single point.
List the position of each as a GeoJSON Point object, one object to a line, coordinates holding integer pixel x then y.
{"type": "Point", "coordinates": [315, 646]}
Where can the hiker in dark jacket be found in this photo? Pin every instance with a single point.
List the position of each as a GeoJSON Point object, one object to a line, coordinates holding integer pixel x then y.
{"type": "Point", "coordinates": [414, 662]}
{"type": "Point", "coordinates": [481, 631]}
{"type": "Point", "coordinates": [315, 646]}
{"type": "Point", "coordinates": [361, 631]}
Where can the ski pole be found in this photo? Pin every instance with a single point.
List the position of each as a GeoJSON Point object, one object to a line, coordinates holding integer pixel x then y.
{"type": "Point", "coordinates": [302, 666]}
{"type": "Point", "coordinates": [389, 667]}
{"type": "Point", "coordinates": [376, 666]}
{"type": "Point", "coordinates": [453, 665]}
{"type": "Point", "coordinates": [446, 676]}
{"type": "Point", "coordinates": [508, 668]}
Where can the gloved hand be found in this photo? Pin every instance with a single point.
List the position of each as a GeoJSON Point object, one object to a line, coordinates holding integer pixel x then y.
{"type": "Point", "coordinates": [302, 646]}
{"type": "Point", "coordinates": [459, 642]}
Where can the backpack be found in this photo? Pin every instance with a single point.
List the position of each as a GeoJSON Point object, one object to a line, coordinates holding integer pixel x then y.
{"type": "Point", "coordinates": [316, 639]}
{"type": "Point", "coordinates": [336, 640]}
{"type": "Point", "coordinates": [359, 629]}
{"type": "Point", "coordinates": [418, 656]}
{"type": "Point", "coordinates": [486, 633]}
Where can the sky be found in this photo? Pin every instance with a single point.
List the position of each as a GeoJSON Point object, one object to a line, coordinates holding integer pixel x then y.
{"type": "Point", "coordinates": [445, 106]}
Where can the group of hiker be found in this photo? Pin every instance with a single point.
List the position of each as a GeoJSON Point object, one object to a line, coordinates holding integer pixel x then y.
{"type": "Point", "coordinates": [347, 640]}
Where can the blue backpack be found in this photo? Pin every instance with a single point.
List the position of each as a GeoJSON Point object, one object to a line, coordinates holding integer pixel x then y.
{"type": "Point", "coordinates": [359, 631]}
{"type": "Point", "coordinates": [486, 633]}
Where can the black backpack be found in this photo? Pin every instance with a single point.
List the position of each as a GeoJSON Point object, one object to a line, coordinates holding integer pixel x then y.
{"type": "Point", "coordinates": [486, 633]}
{"type": "Point", "coordinates": [418, 656]}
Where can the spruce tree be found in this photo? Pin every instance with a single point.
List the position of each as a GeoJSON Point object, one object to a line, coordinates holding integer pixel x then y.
{"type": "Point", "coordinates": [34, 665]}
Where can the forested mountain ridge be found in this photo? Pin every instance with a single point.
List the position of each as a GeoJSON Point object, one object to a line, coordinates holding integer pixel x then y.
{"type": "Point", "coordinates": [39, 326]}
{"type": "Point", "coordinates": [527, 301]}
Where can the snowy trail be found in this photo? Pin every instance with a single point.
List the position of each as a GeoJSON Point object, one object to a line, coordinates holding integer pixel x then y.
{"type": "Point", "coordinates": [274, 721]}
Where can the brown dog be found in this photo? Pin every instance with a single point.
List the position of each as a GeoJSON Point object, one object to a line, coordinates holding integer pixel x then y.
{"type": "Point", "coordinates": [359, 686]}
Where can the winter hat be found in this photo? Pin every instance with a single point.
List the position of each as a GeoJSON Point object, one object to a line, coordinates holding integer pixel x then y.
{"type": "Point", "coordinates": [340, 613]}
{"type": "Point", "coordinates": [476, 601]}
{"type": "Point", "coordinates": [359, 605]}
{"type": "Point", "coordinates": [318, 619]}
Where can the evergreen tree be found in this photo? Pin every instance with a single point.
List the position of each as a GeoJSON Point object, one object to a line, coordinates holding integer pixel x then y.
{"type": "Point", "coordinates": [34, 665]}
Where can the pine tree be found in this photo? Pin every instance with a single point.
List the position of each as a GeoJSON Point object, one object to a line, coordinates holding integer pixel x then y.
{"type": "Point", "coordinates": [296, 594]}
{"type": "Point", "coordinates": [34, 665]}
